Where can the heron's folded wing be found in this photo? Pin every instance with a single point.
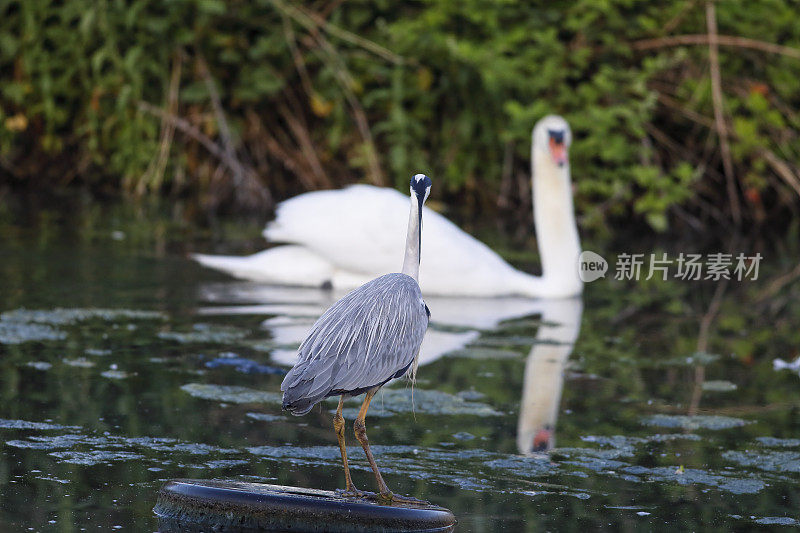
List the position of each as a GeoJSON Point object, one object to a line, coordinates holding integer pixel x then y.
{"type": "Point", "coordinates": [365, 339]}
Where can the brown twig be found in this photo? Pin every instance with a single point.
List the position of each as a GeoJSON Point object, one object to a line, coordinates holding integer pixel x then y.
{"type": "Point", "coordinates": [345, 80]}
{"type": "Point", "coordinates": [297, 57]}
{"type": "Point", "coordinates": [719, 114]}
{"type": "Point", "coordinates": [722, 40]}
{"type": "Point", "coordinates": [782, 169]}
{"type": "Point", "coordinates": [673, 23]}
{"type": "Point", "coordinates": [243, 187]}
{"type": "Point", "coordinates": [213, 148]}
{"type": "Point", "coordinates": [670, 102]}
{"type": "Point", "coordinates": [292, 160]}
{"type": "Point", "coordinates": [154, 175]}
{"type": "Point", "coordinates": [304, 141]}
{"type": "Point", "coordinates": [779, 283]}
{"type": "Point", "coordinates": [313, 22]}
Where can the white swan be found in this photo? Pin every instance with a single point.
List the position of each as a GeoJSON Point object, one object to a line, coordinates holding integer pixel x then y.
{"type": "Point", "coordinates": [346, 237]}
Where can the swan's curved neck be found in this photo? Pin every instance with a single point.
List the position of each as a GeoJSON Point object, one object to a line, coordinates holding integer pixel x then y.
{"type": "Point", "coordinates": [413, 240]}
{"type": "Point", "coordinates": [554, 218]}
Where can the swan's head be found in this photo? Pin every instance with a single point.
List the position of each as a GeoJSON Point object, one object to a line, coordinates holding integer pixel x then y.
{"type": "Point", "coordinates": [420, 188]}
{"type": "Point", "coordinates": [552, 136]}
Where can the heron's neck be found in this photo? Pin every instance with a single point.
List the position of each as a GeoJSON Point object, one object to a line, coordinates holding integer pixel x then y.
{"type": "Point", "coordinates": [554, 217]}
{"type": "Point", "coordinates": [411, 260]}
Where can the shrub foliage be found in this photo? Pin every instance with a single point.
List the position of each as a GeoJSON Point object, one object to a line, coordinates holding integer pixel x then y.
{"type": "Point", "coordinates": [241, 102]}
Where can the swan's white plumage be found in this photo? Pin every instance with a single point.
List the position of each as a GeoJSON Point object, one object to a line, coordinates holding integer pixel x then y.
{"type": "Point", "coordinates": [347, 237]}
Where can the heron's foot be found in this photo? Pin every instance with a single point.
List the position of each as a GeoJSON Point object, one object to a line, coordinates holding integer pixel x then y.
{"type": "Point", "coordinates": [352, 492]}
{"type": "Point", "coordinates": [390, 497]}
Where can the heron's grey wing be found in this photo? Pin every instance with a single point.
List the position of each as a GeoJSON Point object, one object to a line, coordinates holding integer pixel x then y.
{"type": "Point", "coordinates": [363, 340]}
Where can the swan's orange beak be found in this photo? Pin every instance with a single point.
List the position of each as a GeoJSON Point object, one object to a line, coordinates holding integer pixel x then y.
{"type": "Point", "coordinates": [558, 151]}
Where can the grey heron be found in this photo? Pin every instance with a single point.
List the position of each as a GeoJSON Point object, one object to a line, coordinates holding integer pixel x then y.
{"type": "Point", "coordinates": [369, 337]}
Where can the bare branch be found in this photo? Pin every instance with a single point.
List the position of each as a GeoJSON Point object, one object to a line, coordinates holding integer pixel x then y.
{"type": "Point", "coordinates": [719, 114]}
{"type": "Point", "coordinates": [312, 22]}
{"type": "Point", "coordinates": [722, 40]}
{"type": "Point", "coordinates": [154, 175]}
{"type": "Point", "coordinates": [782, 169]}
{"type": "Point", "coordinates": [233, 165]}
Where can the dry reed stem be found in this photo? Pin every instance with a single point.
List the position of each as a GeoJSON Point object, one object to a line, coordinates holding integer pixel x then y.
{"type": "Point", "coordinates": [721, 40]}
{"type": "Point", "coordinates": [262, 194]}
{"type": "Point", "coordinates": [719, 114]}
{"type": "Point", "coordinates": [154, 175]}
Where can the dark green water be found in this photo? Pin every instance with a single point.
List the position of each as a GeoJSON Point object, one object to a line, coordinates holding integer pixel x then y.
{"type": "Point", "coordinates": [119, 381]}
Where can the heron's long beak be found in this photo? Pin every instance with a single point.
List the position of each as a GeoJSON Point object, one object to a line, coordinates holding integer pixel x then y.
{"type": "Point", "coordinates": [558, 151]}
{"type": "Point", "coordinates": [420, 202]}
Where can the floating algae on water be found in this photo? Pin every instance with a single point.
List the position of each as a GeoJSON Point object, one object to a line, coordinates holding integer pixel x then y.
{"type": "Point", "coordinates": [231, 393]}
{"type": "Point", "coordinates": [768, 460]}
{"type": "Point", "coordinates": [19, 332]}
{"type": "Point", "coordinates": [115, 374]}
{"type": "Point", "coordinates": [205, 333]}
{"type": "Point", "coordinates": [712, 422]}
{"type": "Point", "coordinates": [718, 386]}
{"type": "Point", "coordinates": [24, 424]}
{"type": "Point", "coordinates": [477, 352]}
{"type": "Point", "coordinates": [80, 362]}
{"type": "Point", "coordinates": [264, 417]}
{"type": "Point", "coordinates": [429, 402]}
{"type": "Point", "coordinates": [63, 317]}
{"type": "Point", "coordinates": [773, 442]}
{"type": "Point", "coordinates": [26, 325]}
{"type": "Point", "coordinates": [95, 457]}
{"type": "Point", "coordinates": [40, 365]}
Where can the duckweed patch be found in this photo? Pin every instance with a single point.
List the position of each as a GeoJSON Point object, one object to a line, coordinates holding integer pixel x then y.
{"type": "Point", "coordinates": [24, 424]}
{"type": "Point", "coordinates": [768, 460]}
{"type": "Point", "coordinates": [67, 316]}
{"type": "Point", "coordinates": [231, 393]}
{"type": "Point", "coordinates": [95, 457]}
{"type": "Point", "coordinates": [40, 365]}
{"type": "Point", "coordinates": [477, 352]}
{"type": "Point", "coordinates": [719, 386]}
{"type": "Point", "coordinates": [115, 374]}
{"type": "Point", "coordinates": [391, 401]}
{"type": "Point", "coordinates": [240, 364]}
{"type": "Point", "coordinates": [777, 521]}
{"type": "Point", "coordinates": [80, 362]}
{"type": "Point", "coordinates": [264, 417]}
{"type": "Point", "coordinates": [205, 334]}
{"type": "Point", "coordinates": [711, 422]}
{"type": "Point", "coordinates": [21, 332]}
{"type": "Point", "coordinates": [774, 442]}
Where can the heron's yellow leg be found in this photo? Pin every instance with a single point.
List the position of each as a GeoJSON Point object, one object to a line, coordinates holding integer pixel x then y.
{"type": "Point", "coordinates": [338, 426]}
{"type": "Point", "coordinates": [361, 434]}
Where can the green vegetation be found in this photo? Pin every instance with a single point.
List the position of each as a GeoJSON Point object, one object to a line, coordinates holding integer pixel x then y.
{"type": "Point", "coordinates": [239, 103]}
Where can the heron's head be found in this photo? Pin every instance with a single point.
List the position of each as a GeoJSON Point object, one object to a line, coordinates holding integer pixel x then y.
{"type": "Point", "coordinates": [552, 135]}
{"type": "Point", "coordinates": [420, 188]}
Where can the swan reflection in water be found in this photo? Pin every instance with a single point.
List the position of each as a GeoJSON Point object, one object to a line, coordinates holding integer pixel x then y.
{"type": "Point", "coordinates": [455, 323]}
{"type": "Point", "coordinates": [544, 374]}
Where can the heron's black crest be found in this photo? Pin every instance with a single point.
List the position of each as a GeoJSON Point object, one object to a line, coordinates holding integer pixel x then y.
{"type": "Point", "coordinates": [556, 135]}
{"type": "Point", "coordinates": [420, 183]}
